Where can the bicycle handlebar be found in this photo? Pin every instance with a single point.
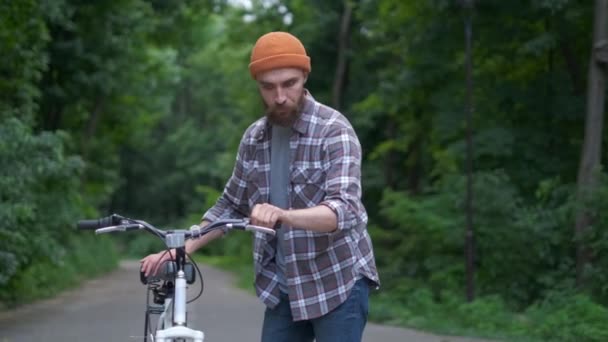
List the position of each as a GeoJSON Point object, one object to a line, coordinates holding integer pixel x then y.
{"type": "Point", "coordinates": [116, 222]}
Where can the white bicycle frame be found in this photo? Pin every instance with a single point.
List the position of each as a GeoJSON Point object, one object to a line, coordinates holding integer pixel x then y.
{"type": "Point", "coordinates": [180, 330]}
{"type": "Point", "coordinates": [164, 319]}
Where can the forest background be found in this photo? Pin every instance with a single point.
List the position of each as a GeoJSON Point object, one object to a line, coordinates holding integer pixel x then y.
{"type": "Point", "coordinates": [137, 107]}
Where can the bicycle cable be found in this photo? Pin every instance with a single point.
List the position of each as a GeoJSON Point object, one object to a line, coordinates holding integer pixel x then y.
{"type": "Point", "coordinates": [200, 276]}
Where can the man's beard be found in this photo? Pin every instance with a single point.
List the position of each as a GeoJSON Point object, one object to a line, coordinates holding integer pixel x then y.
{"type": "Point", "coordinates": [284, 115]}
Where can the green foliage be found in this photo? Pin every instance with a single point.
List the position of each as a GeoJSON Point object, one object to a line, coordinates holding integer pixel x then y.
{"type": "Point", "coordinates": [138, 106]}
{"type": "Point", "coordinates": [418, 307]}
{"type": "Point", "coordinates": [39, 251]}
{"type": "Point", "coordinates": [596, 237]}
{"type": "Point", "coordinates": [561, 317]}
{"type": "Point", "coordinates": [569, 318]}
{"type": "Point", "coordinates": [85, 257]}
{"type": "Point", "coordinates": [40, 181]}
{"type": "Point", "coordinates": [520, 248]}
{"type": "Point", "coordinates": [23, 36]}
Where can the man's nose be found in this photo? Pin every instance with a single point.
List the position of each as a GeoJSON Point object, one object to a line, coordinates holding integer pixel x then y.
{"type": "Point", "coordinates": [280, 96]}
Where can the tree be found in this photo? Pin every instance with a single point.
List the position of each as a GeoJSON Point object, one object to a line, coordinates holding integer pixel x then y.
{"type": "Point", "coordinates": [588, 174]}
{"type": "Point", "coordinates": [341, 65]}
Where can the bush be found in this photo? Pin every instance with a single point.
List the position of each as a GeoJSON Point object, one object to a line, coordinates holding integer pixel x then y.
{"type": "Point", "coordinates": [40, 251]}
{"type": "Point", "coordinates": [569, 318]}
{"type": "Point", "coordinates": [523, 247]}
{"type": "Point", "coordinates": [86, 256]}
{"type": "Point", "coordinates": [524, 254]}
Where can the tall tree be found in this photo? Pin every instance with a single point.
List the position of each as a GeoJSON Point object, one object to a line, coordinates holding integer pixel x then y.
{"type": "Point", "coordinates": [592, 146]}
{"type": "Point", "coordinates": [469, 235]}
{"type": "Point", "coordinates": [343, 38]}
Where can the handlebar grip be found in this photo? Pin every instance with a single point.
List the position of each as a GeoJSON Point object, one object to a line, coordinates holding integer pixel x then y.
{"type": "Point", "coordinates": [96, 224]}
{"type": "Point", "coordinates": [261, 229]}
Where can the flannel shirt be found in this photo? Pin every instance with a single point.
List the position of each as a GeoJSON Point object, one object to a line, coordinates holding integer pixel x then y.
{"type": "Point", "coordinates": [325, 169]}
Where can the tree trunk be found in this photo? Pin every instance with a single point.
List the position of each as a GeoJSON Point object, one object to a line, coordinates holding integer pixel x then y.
{"type": "Point", "coordinates": [343, 38]}
{"type": "Point", "coordinates": [592, 146]}
{"type": "Point", "coordinates": [469, 238]}
{"type": "Point", "coordinates": [414, 171]}
{"type": "Point", "coordinates": [91, 127]}
{"type": "Point", "coordinates": [52, 120]}
{"type": "Point", "coordinates": [94, 118]}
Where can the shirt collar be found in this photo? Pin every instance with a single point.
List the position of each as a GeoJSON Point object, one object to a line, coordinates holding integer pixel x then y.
{"type": "Point", "coordinates": [301, 124]}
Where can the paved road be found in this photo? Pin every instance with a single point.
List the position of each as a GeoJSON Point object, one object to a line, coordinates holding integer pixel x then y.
{"type": "Point", "coordinates": [110, 309]}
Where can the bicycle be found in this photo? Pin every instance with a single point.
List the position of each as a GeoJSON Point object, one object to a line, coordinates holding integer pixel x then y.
{"type": "Point", "coordinates": [168, 286]}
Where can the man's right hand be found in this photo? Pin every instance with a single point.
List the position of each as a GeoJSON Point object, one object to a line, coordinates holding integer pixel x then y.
{"type": "Point", "coordinates": [151, 263]}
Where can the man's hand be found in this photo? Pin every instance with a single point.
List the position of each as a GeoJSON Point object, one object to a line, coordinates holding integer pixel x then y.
{"type": "Point", "coordinates": [267, 215]}
{"type": "Point", "coordinates": [151, 263]}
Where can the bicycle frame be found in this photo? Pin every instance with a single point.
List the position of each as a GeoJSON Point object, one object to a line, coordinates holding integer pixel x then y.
{"type": "Point", "coordinates": [176, 327]}
{"type": "Point", "coordinates": [172, 320]}
{"type": "Point", "coordinates": [164, 319]}
{"type": "Point", "coordinates": [165, 322]}
{"type": "Point", "coordinates": [169, 331]}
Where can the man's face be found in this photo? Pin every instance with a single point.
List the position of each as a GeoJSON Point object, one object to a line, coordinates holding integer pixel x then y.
{"type": "Point", "coordinates": [282, 91]}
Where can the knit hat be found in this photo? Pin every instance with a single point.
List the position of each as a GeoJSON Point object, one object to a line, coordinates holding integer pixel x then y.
{"type": "Point", "coordinates": [278, 50]}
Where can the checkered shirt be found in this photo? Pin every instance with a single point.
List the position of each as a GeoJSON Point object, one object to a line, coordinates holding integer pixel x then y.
{"type": "Point", "coordinates": [325, 169]}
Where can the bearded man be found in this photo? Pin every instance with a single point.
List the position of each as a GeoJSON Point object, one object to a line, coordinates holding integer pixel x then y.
{"type": "Point", "coordinates": [298, 170]}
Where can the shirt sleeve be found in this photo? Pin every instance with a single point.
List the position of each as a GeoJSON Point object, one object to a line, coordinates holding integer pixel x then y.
{"type": "Point", "coordinates": [233, 202]}
{"type": "Point", "coordinates": [343, 178]}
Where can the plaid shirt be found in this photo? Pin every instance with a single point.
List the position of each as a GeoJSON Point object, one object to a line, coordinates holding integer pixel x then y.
{"type": "Point", "coordinates": [325, 169]}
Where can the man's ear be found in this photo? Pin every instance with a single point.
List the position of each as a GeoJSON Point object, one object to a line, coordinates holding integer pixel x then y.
{"type": "Point", "coordinates": [305, 76]}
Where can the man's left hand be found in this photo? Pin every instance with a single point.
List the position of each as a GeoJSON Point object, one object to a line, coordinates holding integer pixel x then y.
{"type": "Point", "coordinates": [267, 215]}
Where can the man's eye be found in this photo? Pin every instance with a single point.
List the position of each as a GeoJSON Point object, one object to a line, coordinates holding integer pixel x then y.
{"type": "Point", "coordinates": [290, 83]}
{"type": "Point", "coordinates": [267, 86]}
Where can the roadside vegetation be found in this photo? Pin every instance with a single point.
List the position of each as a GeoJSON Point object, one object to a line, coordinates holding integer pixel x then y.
{"type": "Point", "coordinates": [137, 107]}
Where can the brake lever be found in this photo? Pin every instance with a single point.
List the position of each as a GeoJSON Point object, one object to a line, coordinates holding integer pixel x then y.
{"type": "Point", "coordinates": [269, 231]}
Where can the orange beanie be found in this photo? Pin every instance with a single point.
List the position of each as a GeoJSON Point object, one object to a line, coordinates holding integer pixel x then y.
{"type": "Point", "coordinates": [278, 50]}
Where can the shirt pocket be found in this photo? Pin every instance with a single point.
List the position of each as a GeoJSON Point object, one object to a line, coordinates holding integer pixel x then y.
{"type": "Point", "coordinates": [307, 187]}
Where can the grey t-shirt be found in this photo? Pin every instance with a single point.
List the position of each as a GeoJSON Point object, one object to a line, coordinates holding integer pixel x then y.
{"type": "Point", "coordinates": [279, 187]}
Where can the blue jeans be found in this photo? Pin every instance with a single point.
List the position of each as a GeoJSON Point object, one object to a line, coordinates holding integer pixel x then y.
{"type": "Point", "coordinates": [344, 324]}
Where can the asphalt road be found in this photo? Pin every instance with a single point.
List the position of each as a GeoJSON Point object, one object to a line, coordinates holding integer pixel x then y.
{"type": "Point", "coordinates": [111, 309]}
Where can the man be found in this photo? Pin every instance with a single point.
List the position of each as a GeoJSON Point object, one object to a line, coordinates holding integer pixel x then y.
{"type": "Point", "coordinates": [299, 167]}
